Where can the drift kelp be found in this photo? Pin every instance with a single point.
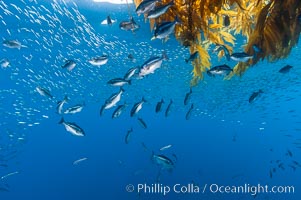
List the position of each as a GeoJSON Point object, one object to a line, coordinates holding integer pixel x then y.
{"type": "Point", "coordinates": [272, 26]}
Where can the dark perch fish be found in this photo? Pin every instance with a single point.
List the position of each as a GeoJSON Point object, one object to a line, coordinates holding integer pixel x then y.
{"type": "Point", "coordinates": [159, 106]}
{"type": "Point", "coordinates": [131, 57]}
{"type": "Point", "coordinates": [143, 124]}
{"type": "Point", "coordinates": [187, 97]}
{"type": "Point", "coordinates": [101, 110]}
{"type": "Point", "coordinates": [168, 108]}
{"type": "Point", "coordinates": [188, 114]}
{"type": "Point", "coordinates": [226, 20]}
{"type": "Point", "coordinates": [129, 25]}
{"type": "Point", "coordinates": [117, 112]}
{"type": "Point", "coordinates": [192, 57]}
{"type": "Point", "coordinates": [2, 189]}
{"type": "Point", "coordinates": [127, 136]}
{"type": "Point", "coordinates": [255, 95]}
{"type": "Point", "coordinates": [109, 20]}
{"type": "Point", "coordinates": [137, 107]}
{"type": "Point", "coordinates": [285, 69]}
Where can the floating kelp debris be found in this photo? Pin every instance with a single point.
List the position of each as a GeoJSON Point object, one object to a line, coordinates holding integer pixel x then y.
{"type": "Point", "coordinates": [273, 27]}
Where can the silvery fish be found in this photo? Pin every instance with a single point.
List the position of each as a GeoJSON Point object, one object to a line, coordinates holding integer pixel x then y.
{"type": "Point", "coordinates": [98, 61]}
{"type": "Point", "coordinates": [137, 107]}
{"type": "Point", "coordinates": [165, 147]}
{"type": "Point", "coordinates": [43, 92]}
{"type": "Point", "coordinates": [151, 65]}
{"type": "Point", "coordinates": [117, 112]}
{"type": "Point", "coordinates": [163, 30]}
{"type": "Point", "coordinates": [74, 109]}
{"type": "Point", "coordinates": [129, 25]}
{"type": "Point", "coordinates": [163, 161]}
{"type": "Point", "coordinates": [118, 82]}
{"type": "Point", "coordinates": [60, 105]}
{"type": "Point", "coordinates": [4, 63]}
{"type": "Point", "coordinates": [220, 70]}
{"type": "Point", "coordinates": [146, 6]}
{"type": "Point", "coordinates": [158, 11]}
{"type": "Point", "coordinates": [13, 44]}
{"type": "Point", "coordinates": [73, 128]}
{"type": "Point", "coordinates": [130, 73]}
{"type": "Point", "coordinates": [113, 100]}
{"type": "Point", "coordinates": [241, 57]}
{"type": "Point", "coordinates": [69, 65]}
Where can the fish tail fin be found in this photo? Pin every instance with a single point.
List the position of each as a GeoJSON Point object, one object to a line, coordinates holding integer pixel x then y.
{"type": "Point", "coordinates": [143, 99]}
{"type": "Point", "coordinates": [257, 50]}
{"type": "Point", "coordinates": [66, 98]}
{"type": "Point", "coordinates": [101, 110]}
{"type": "Point", "coordinates": [152, 155]}
{"type": "Point", "coordinates": [130, 82]}
{"type": "Point", "coordinates": [121, 89]}
{"type": "Point", "coordinates": [62, 120]}
{"type": "Point", "coordinates": [226, 51]}
{"type": "Point", "coordinates": [153, 38]}
{"type": "Point", "coordinates": [177, 20]}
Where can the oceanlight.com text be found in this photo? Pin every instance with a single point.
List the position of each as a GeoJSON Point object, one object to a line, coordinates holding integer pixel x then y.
{"type": "Point", "coordinates": [251, 189]}
{"type": "Point", "coordinates": [191, 188]}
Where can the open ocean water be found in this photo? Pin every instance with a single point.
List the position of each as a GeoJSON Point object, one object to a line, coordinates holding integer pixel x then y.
{"type": "Point", "coordinates": [226, 141]}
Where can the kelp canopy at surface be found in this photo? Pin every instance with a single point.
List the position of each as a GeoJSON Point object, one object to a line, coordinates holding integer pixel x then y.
{"type": "Point", "coordinates": [272, 25]}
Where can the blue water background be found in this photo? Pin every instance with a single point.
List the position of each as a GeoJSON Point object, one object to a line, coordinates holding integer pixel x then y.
{"type": "Point", "coordinates": [227, 141]}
